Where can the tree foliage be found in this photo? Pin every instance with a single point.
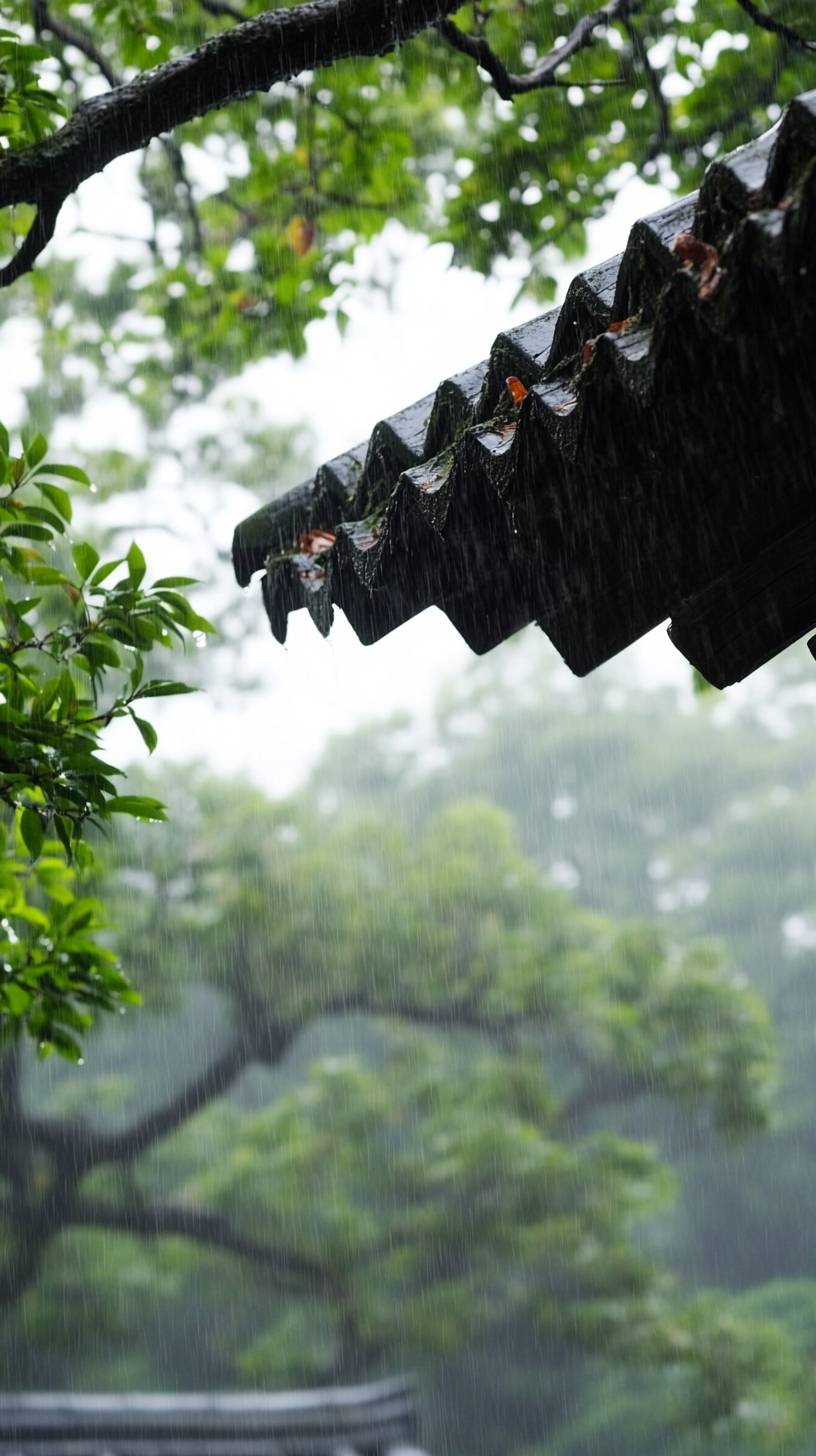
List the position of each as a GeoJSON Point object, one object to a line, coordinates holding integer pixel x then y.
{"type": "Point", "coordinates": [74, 635]}
{"type": "Point", "coordinates": [437, 1040]}
{"type": "Point", "coordinates": [258, 206]}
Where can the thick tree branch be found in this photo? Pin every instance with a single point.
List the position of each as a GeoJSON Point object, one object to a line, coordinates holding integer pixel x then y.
{"type": "Point", "coordinates": [22, 1265]}
{"type": "Point", "coordinates": [457, 1016]}
{"type": "Point", "coordinates": [15, 1147]}
{"type": "Point", "coordinates": [776, 27]}
{"type": "Point", "coordinates": [294, 1272]}
{"type": "Point", "coordinates": [247, 58]}
{"type": "Point", "coordinates": [544, 72]}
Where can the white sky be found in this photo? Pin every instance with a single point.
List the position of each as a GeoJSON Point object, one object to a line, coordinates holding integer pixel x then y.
{"type": "Point", "coordinates": [441, 321]}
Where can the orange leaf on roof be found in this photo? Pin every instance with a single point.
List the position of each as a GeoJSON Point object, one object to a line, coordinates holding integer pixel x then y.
{"type": "Point", "coordinates": [517, 391]}
{"type": "Point", "coordinates": [312, 543]}
{"type": "Point", "coordinates": [703, 258]}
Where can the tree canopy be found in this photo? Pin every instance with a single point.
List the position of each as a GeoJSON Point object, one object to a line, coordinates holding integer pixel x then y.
{"type": "Point", "coordinates": [281, 139]}
{"type": "Point", "coordinates": [402, 1129]}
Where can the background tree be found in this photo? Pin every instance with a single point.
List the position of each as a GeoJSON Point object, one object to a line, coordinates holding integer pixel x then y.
{"type": "Point", "coordinates": [391, 1106]}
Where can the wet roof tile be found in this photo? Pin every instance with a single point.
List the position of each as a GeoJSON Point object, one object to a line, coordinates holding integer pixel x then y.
{"type": "Point", "coordinates": [660, 464]}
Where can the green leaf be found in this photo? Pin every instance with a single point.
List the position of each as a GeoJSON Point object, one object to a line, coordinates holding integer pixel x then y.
{"type": "Point", "coordinates": [137, 805]}
{"type": "Point", "coordinates": [157, 688]}
{"type": "Point", "coordinates": [105, 571]}
{"type": "Point", "coordinates": [31, 831]}
{"type": "Point", "coordinates": [100, 651]}
{"type": "Point", "coordinates": [47, 576]}
{"type": "Point", "coordinates": [27, 532]}
{"type": "Point", "coordinates": [137, 566]}
{"type": "Point", "coordinates": [147, 731]}
{"type": "Point", "coordinates": [36, 451]}
{"type": "Point", "coordinates": [84, 855]}
{"type": "Point", "coordinates": [165, 581]}
{"type": "Point", "coordinates": [67, 472]}
{"type": "Point", "coordinates": [85, 559]}
{"type": "Point", "coordinates": [59, 498]}
{"type": "Point", "coordinates": [16, 997]}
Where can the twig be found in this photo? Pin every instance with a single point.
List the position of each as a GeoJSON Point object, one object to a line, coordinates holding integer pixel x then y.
{"type": "Point", "coordinates": [175, 157]}
{"type": "Point", "coordinates": [71, 35]}
{"type": "Point", "coordinates": [660, 140]}
{"type": "Point", "coordinates": [221, 9]}
{"type": "Point", "coordinates": [544, 71]}
{"type": "Point", "coordinates": [776, 27]}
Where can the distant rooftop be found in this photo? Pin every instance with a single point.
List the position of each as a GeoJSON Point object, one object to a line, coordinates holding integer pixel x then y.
{"type": "Point", "coordinates": [645, 451]}
{"type": "Point", "coordinates": [367, 1420]}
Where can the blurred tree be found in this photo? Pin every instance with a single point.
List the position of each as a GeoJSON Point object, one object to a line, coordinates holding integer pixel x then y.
{"type": "Point", "coordinates": [698, 812]}
{"type": "Point", "coordinates": [402, 1138]}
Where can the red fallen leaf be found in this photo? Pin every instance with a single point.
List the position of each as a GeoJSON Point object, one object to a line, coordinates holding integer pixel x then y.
{"type": "Point", "coordinates": [620, 326]}
{"type": "Point", "coordinates": [704, 259]}
{"type": "Point", "coordinates": [517, 391]}
{"type": "Point", "coordinates": [312, 543]}
{"type": "Point", "coordinates": [587, 351]}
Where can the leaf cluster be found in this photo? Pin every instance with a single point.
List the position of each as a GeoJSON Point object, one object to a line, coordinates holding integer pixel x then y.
{"type": "Point", "coordinates": [74, 633]}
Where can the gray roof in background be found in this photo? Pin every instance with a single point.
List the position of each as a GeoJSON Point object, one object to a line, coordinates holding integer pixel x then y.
{"type": "Point", "coordinates": [368, 1420]}
{"type": "Point", "coordinates": [661, 464]}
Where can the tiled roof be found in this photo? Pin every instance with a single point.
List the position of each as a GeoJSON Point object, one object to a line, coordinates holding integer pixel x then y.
{"type": "Point", "coordinates": [378, 1420]}
{"type": "Point", "coordinates": [660, 464]}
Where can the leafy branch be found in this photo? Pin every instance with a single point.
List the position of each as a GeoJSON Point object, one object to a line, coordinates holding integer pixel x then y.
{"type": "Point", "coordinates": [74, 633]}
{"type": "Point", "coordinates": [248, 57]}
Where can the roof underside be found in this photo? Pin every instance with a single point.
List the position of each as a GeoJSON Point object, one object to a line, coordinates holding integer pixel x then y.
{"type": "Point", "coordinates": [661, 463]}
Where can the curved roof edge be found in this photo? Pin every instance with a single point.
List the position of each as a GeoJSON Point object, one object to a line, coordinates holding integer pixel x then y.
{"type": "Point", "coordinates": [654, 460]}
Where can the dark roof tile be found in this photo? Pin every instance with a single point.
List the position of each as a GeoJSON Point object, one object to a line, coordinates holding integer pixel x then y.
{"type": "Point", "coordinates": [659, 465]}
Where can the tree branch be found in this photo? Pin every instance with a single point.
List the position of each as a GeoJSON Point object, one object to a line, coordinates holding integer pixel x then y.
{"type": "Point", "coordinates": [544, 71]}
{"type": "Point", "coordinates": [71, 35]}
{"type": "Point", "coordinates": [36, 239]}
{"type": "Point", "coordinates": [294, 1272]}
{"type": "Point", "coordinates": [776, 27]}
{"type": "Point", "coordinates": [459, 1016]}
{"type": "Point", "coordinates": [249, 57]}
{"type": "Point", "coordinates": [84, 1147]}
{"type": "Point", "coordinates": [22, 1265]}
{"type": "Point", "coordinates": [221, 9]}
{"type": "Point", "coordinates": [605, 1086]}
{"type": "Point", "coordinates": [660, 140]}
